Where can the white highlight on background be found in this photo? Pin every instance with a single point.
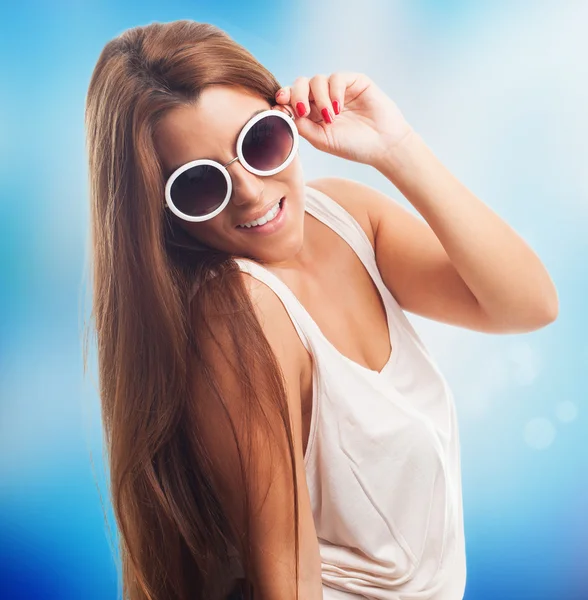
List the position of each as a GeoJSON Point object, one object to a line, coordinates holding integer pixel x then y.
{"type": "Point", "coordinates": [526, 362]}
{"type": "Point", "coordinates": [539, 433]}
{"type": "Point", "coordinates": [566, 411]}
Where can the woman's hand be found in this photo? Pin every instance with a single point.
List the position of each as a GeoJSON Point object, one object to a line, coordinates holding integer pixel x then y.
{"type": "Point", "coordinates": [368, 123]}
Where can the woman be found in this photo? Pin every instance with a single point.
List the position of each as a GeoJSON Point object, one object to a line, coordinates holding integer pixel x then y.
{"type": "Point", "coordinates": [274, 424]}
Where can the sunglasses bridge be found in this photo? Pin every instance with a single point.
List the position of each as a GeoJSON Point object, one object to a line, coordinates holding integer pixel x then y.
{"type": "Point", "coordinates": [231, 161]}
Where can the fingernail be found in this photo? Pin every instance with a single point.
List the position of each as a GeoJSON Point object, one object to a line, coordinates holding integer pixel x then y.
{"type": "Point", "coordinates": [336, 106]}
{"type": "Point", "coordinates": [300, 109]}
{"type": "Point", "coordinates": [280, 93]}
{"type": "Point", "coordinates": [327, 115]}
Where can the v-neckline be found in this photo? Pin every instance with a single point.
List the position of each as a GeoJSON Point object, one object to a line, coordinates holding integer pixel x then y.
{"type": "Point", "coordinates": [393, 337]}
{"type": "Point", "coordinates": [381, 290]}
{"type": "Point", "coordinates": [392, 331]}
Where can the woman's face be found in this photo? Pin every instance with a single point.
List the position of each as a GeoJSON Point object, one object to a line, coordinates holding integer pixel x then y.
{"type": "Point", "coordinates": [210, 130]}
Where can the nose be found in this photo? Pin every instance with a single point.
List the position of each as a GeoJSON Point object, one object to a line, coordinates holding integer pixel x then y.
{"type": "Point", "coordinates": [247, 187]}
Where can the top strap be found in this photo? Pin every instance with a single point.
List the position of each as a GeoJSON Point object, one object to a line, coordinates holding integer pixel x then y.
{"type": "Point", "coordinates": [298, 315]}
{"type": "Point", "coordinates": [332, 214]}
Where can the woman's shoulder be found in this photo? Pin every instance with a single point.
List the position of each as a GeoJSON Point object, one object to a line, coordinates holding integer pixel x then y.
{"type": "Point", "coordinates": [277, 326]}
{"type": "Point", "coordinates": [273, 318]}
{"type": "Point", "coordinates": [348, 194]}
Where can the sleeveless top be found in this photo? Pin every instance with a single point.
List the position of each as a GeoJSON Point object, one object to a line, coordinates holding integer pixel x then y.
{"type": "Point", "coordinates": [383, 458]}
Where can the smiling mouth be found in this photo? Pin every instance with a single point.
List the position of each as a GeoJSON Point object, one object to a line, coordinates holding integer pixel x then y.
{"type": "Point", "coordinates": [280, 205]}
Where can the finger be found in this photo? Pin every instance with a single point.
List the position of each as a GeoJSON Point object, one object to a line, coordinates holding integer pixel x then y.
{"type": "Point", "coordinates": [337, 86]}
{"type": "Point", "coordinates": [310, 129]}
{"type": "Point", "coordinates": [282, 96]}
{"type": "Point", "coordinates": [310, 124]}
{"type": "Point", "coordinates": [299, 96]}
{"type": "Point", "coordinates": [315, 113]}
{"type": "Point", "coordinates": [354, 84]}
{"type": "Point", "coordinates": [319, 86]}
{"type": "Point", "coordinates": [283, 101]}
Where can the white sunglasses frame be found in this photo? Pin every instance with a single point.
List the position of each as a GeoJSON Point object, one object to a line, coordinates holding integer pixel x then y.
{"type": "Point", "coordinates": [222, 168]}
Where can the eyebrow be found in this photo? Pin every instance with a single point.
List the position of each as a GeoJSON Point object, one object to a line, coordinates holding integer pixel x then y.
{"type": "Point", "coordinates": [170, 171]}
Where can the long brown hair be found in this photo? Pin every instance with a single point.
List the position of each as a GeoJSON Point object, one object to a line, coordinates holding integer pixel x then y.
{"type": "Point", "coordinates": [175, 537]}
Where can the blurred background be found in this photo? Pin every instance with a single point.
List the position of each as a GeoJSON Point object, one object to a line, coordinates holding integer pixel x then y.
{"type": "Point", "coordinates": [499, 91]}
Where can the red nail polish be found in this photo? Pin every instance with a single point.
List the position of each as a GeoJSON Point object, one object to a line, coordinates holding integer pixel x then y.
{"type": "Point", "coordinates": [336, 106]}
{"type": "Point", "coordinates": [326, 116]}
{"type": "Point", "coordinates": [300, 109]}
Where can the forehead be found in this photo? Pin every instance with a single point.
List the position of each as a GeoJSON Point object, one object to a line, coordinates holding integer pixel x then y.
{"type": "Point", "coordinates": [208, 129]}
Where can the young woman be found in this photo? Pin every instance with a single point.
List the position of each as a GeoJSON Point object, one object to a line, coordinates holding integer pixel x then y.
{"type": "Point", "coordinates": [272, 418]}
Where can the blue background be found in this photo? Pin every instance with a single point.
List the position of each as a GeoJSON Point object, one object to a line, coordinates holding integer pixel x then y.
{"type": "Point", "coordinates": [497, 89]}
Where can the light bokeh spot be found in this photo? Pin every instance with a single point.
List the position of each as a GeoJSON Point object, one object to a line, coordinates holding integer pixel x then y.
{"type": "Point", "coordinates": [526, 362]}
{"type": "Point", "coordinates": [566, 411]}
{"type": "Point", "coordinates": [539, 433]}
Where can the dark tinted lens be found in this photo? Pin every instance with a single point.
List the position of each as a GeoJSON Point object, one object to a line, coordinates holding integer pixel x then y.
{"type": "Point", "coordinates": [199, 190]}
{"type": "Point", "coordinates": [268, 143]}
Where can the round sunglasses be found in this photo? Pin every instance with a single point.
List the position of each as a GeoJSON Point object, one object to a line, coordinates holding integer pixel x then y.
{"type": "Point", "coordinates": [200, 189]}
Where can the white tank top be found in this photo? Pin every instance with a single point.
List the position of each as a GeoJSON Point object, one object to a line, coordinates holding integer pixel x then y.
{"type": "Point", "coordinates": [382, 461]}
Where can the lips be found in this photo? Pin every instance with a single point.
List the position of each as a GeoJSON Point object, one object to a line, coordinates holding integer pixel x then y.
{"type": "Point", "coordinates": [261, 213]}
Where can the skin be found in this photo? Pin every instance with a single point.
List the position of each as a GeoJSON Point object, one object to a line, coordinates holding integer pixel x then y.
{"type": "Point", "coordinates": [209, 130]}
{"type": "Point", "coordinates": [304, 253]}
{"type": "Point", "coordinates": [452, 259]}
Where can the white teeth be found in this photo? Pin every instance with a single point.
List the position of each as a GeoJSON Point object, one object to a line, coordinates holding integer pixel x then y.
{"type": "Point", "coordinates": [269, 215]}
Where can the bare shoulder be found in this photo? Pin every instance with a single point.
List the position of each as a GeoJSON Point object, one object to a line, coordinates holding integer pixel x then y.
{"type": "Point", "coordinates": [278, 330]}
{"type": "Point", "coordinates": [354, 197]}
{"type": "Point", "coordinates": [277, 326]}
